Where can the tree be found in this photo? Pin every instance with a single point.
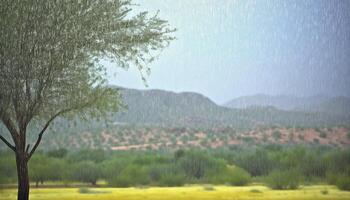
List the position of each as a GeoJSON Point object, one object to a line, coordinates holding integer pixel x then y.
{"type": "Point", "coordinates": [197, 164]}
{"type": "Point", "coordinates": [87, 172]}
{"type": "Point", "coordinates": [43, 168]}
{"type": "Point", "coordinates": [50, 53]}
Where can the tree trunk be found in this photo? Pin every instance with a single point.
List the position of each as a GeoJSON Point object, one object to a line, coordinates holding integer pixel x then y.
{"type": "Point", "coordinates": [23, 178]}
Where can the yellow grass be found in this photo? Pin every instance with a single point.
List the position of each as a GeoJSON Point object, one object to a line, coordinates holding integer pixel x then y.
{"type": "Point", "coordinates": [182, 193]}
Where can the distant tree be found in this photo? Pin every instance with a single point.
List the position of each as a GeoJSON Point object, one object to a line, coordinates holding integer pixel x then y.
{"type": "Point", "coordinates": [178, 154]}
{"type": "Point", "coordinates": [50, 54]}
{"type": "Point", "coordinates": [59, 153]}
{"type": "Point", "coordinates": [276, 135]}
{"type": "Point", "coordinates": [93, 155]}
{"type": "Point", "coordinates": [87, 172]}
{"type": "Point", "coordinates": [257, 163]}
{"type": "Point", "coordinates": [283, 180]}
{"type": "Point", "coordinates": [196, 164]}
{"type": "Point", "coordinates": [43, 168]}
{"type": "Point", "coordinates": [7, 168]}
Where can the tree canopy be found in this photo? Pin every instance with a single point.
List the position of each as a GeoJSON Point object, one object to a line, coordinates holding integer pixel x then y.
{"type": "Point", "coordinates": [51, 52]}
{"type": "Point", "coordinates": [50, 55]}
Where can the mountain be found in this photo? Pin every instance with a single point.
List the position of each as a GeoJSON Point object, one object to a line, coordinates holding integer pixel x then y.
{"type": "Point", "coordinates": [164, 108]}
{"type": "Point", "coordinates": [164, 115]}
{"type": "Point", "coordinates": [283, 102]}
{"type": "Point", "coordinates": [339, 106]}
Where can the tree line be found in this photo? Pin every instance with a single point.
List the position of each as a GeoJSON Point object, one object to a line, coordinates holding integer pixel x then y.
{"type": "Point", "coordinates": [273, 165]}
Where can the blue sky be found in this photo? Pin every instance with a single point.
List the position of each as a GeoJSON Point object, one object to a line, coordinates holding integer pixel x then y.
{"type": "Point", "coordinates": [227, 48]}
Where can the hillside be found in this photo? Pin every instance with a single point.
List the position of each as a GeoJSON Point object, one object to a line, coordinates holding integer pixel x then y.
{"type": "Point", "coordinates": [284, 102]}
{"type": "Point", "coordinates": [169, 109]}
{"type": "Point", "coordinates": [315, 104]}
{"type": "Point", "coordinates": [160, 114]}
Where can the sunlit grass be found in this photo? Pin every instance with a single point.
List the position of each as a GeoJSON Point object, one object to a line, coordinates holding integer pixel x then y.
{"type": "Point", "coordinates": [183, 193]}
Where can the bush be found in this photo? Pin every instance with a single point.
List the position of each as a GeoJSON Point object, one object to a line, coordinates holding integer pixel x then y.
{"type": "Point", "coordinates": [257, 163]}
{"type": "Point", "coordinates": [255, 191]}
{"type": "Point", "coordinates": [43, 168]}
{"type": "Point", "coordinates": [323, 135]}
{"type": "Point", "coordinates": [157, 171]}
{"type": "Point", "coordinates": [87, 172]}
{"type": "Point", "coordinates": [331, 178]}
{"type": "Point", "coordinates": [208, 188]}
{"type": "Point", "coordinates": [276, 135]}
{"type": "Point", "coordinates": [324, 192]}
{"type": "Point", "coordinates": [8, 173]}
{"type": "Point", "coordinates": [172, 180]}
{"type": "Point", "coordinates": [84, 190]}
{"type": "Point", "coordinates": [343, 183]}
{"type": "Point", "coordinates": [233, 176]}
{"type": "Point", "coordinates": [283, 180]}
{"type": "Point", "coordinates": [237, 176]}
{"type": "Point", "coordinates": [132, 175]}
{"type": "Point", "coordinates": [197, 164]}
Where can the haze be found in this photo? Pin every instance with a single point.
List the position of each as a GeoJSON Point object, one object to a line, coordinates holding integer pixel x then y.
{"type": "Point", "coordinates": [225, 49]}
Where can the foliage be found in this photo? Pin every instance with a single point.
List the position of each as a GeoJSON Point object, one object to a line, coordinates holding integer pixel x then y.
{"type": "Point", "coordinates": [172, 180]}
{"type": "Point", "coordinates": [86, 171]}
{"type": "Point", "coordinates": [233, 176]}
{"type": "Point", "coordinates": [44, 169]}
{"type": "Point", "coordinates": [343, 182]}
{"type": "Point", "coordinates": [276, 135]}
{"type": "Point", "coordinates": [324, 192]}
{"type": "Point", "coordinates": [59, 153]}
{"type": "Point", "coordinates": [7, 168]}
{"type": "Point", "coordinates": [281, 180]}
{"type": "Point", "coordinates": [84, 190]}
{"type": "Point", "coordinates": [283, 167]}
{"type": "Point", "coordinates": [132, 175]}
{"type": "Point", "coordinates": [256, 163]}
{"type": "Point", "coordinates": [197, 164]}
{"type": "Point", "coordinates": [87, 154]}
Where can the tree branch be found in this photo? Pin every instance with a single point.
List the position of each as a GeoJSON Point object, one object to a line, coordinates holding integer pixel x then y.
{"type": "Point", "coordinates": [12, 129]}
{"type": "Point", "coordinates": [52, 118]}
{"type": "Point", "coordinates": [8, 143]}
{"type": "Point", "coordinates": [10, 126]}
{"type": "Point", "coordinates": [43, 131]}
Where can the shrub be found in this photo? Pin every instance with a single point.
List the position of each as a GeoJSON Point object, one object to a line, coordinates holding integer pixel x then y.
{"type": "Point", "coordinates": [7, 168]}
{"type": "Point", "coordinates": [232, 175]}
{"type": "Point", "coordinates": [323, 134]}
{"type": "Point", "coordinates": [208, 188]}
{"type": "Point", "coordinates": [84, 190]}
{"type": "Point", "coordinates": [276, 135]}
{"type": "Point", "coordinates": [324, 192]}
{"type": "Point", "coordinates": [255, 191]}
{"type": "Point", "coordinates": [112, 168]}
{"type": "Point", "coordinates": [331, 178]}
{"type": "Point", "coordinates": [197, 164]}
{"type": "Point", "coordinates": [257, 163]}
{"type": "Point", "coordinates": [172, 180]}
{"type": "Point", "coordinates": [343, 183]}
{"type": "Point", "coordinates": [132, 175]}
{"type": "Point", "coordinates": [283, 180]}
{"type": "Point", "coordinates": [238, 176]}
{"type": "Point", "coordinates": [86, 171]}
{"type": "Point", "coordinates": [156, 171]}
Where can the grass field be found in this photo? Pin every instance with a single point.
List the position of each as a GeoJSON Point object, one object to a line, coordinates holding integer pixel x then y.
{"type": "Point", "coordinates": [183, 193]}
